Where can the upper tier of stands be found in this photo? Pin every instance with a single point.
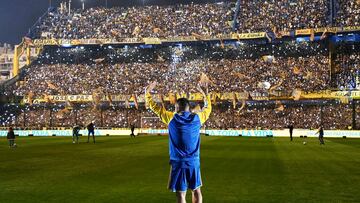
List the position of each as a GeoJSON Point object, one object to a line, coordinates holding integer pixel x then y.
{"type": "Point", "coordinates": [201, 19]}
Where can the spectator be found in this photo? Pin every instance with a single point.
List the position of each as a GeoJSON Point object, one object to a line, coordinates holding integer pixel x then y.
{"type": "Point", "coordinates": [11, 138]}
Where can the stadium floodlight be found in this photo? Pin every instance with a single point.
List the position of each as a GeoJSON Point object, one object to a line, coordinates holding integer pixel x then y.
{"type": "Point", "coordinates": [69, 7]}
{"type": "Point", "coordinates": [83, 4]}
{"type": "Point", "coordinates": [106, 3]}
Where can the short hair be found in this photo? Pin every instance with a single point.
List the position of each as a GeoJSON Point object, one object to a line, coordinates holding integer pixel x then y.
{"type": "Point", "coordinates": [183, 103]}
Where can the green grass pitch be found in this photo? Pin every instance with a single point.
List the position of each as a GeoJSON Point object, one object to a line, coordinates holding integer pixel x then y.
{"type": "Point", "coordinates": [234, 169]}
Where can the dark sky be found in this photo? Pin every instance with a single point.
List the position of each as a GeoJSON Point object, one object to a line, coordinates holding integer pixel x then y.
{"type": "Point", "coordinates": [17, 16]}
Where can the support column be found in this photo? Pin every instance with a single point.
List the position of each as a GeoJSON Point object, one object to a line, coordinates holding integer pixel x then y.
{"type": "Point", "coordinates": [76, 116]}
{"type": "Point", "coordinates": [51, 117]}
{"type": "Point", "coordinates": [28, 56]}
{"type": "Point", "coordinates": [102, 118]}
{"type": "Point", "coordinates": [333, 8]}
{"type": "Point", "coordinates": [331, 12]}
{"type": "Point", "coordinates": [24, 118]}
{"type": "Point", "coordinates": [332, 64]}
{"type": "Point", "coordinates": [16, 120]}
{"type": "Point", "coordinates": [321, 114]}
{"type": "Point", "coordinates": [236, 15]}
{"type": "Point", "coordinates": [18, 51]}
{"type": "Point", "coordinates": [353, 115]}
{"type": "Point", "coordinates": [16, 60]}
{"type": "Point", "coordinates": [38, 50]}
{"type": "Point", "coordinates": [69, 7]}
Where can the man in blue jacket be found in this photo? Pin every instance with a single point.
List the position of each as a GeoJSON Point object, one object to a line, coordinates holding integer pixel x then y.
{"type": "Point", "coordinates": [184, 143]}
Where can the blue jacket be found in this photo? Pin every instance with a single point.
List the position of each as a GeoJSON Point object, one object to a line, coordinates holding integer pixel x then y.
{"type": "Point", "coordinates": [184, 130]}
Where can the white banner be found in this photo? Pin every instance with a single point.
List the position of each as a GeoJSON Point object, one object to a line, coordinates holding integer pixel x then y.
{"type": "Point", "coordinates": [265, 133]}
{"type": "Point", "coordinates": [67, 132]}
{"type": "Point", "coordinates": [245, 133]}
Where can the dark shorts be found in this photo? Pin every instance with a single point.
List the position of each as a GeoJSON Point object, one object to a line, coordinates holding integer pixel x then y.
{"type": "Point", "coordinates": [184, 176]}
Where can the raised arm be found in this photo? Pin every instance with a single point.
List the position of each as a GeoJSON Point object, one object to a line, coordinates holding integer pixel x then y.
{"type": "Point", "coordinates": [160, 111]}
{"type": "Point", "coordinates": [206, 111]}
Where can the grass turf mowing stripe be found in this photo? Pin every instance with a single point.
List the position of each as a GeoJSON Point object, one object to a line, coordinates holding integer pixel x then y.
{"type": "Point", "coordinates": [234, 169]}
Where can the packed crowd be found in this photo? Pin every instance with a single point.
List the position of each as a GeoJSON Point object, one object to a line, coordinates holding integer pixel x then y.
{"type": "Point", "coordinates": [149, 21]}
{"type": "Point", "coordinates": [283, 73]}
{"type": "Point", "coordinates": [127, 71]}
{"type": "Point", "coordinates": [208, 19]}
{"type": "Point", "coordinates": [348, 71]}
{"type": "Point", "coordinates": [260, 16]}
{"type": "Point", "coordinates": [357, 118]}
{"type": "Point", "coordinates": [306, 117]}
{"type": "Point", "coordinates": [331, 116]}
{"type": "Point", "coordinates": [349, 13]}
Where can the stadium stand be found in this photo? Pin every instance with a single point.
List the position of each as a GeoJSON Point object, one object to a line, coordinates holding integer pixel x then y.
{"type": "Point", "coordinates": [260, 16]}
{"type": "Point", "coordinates": [149, 21]}
{"type": "Point", "coordinates": [254, 116]}
{"type": "Point", "coordinates": [349, 12]}
{"type": "Point", "coordinates": [194, 19]}
{"type": "Point", "coordinates": [273, 66]}
{"type": "Point", "coordinates": [130, 78]}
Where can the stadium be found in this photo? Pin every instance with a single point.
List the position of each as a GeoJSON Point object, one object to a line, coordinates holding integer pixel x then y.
{"type": "Point", "coordinates": [280, 78]}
